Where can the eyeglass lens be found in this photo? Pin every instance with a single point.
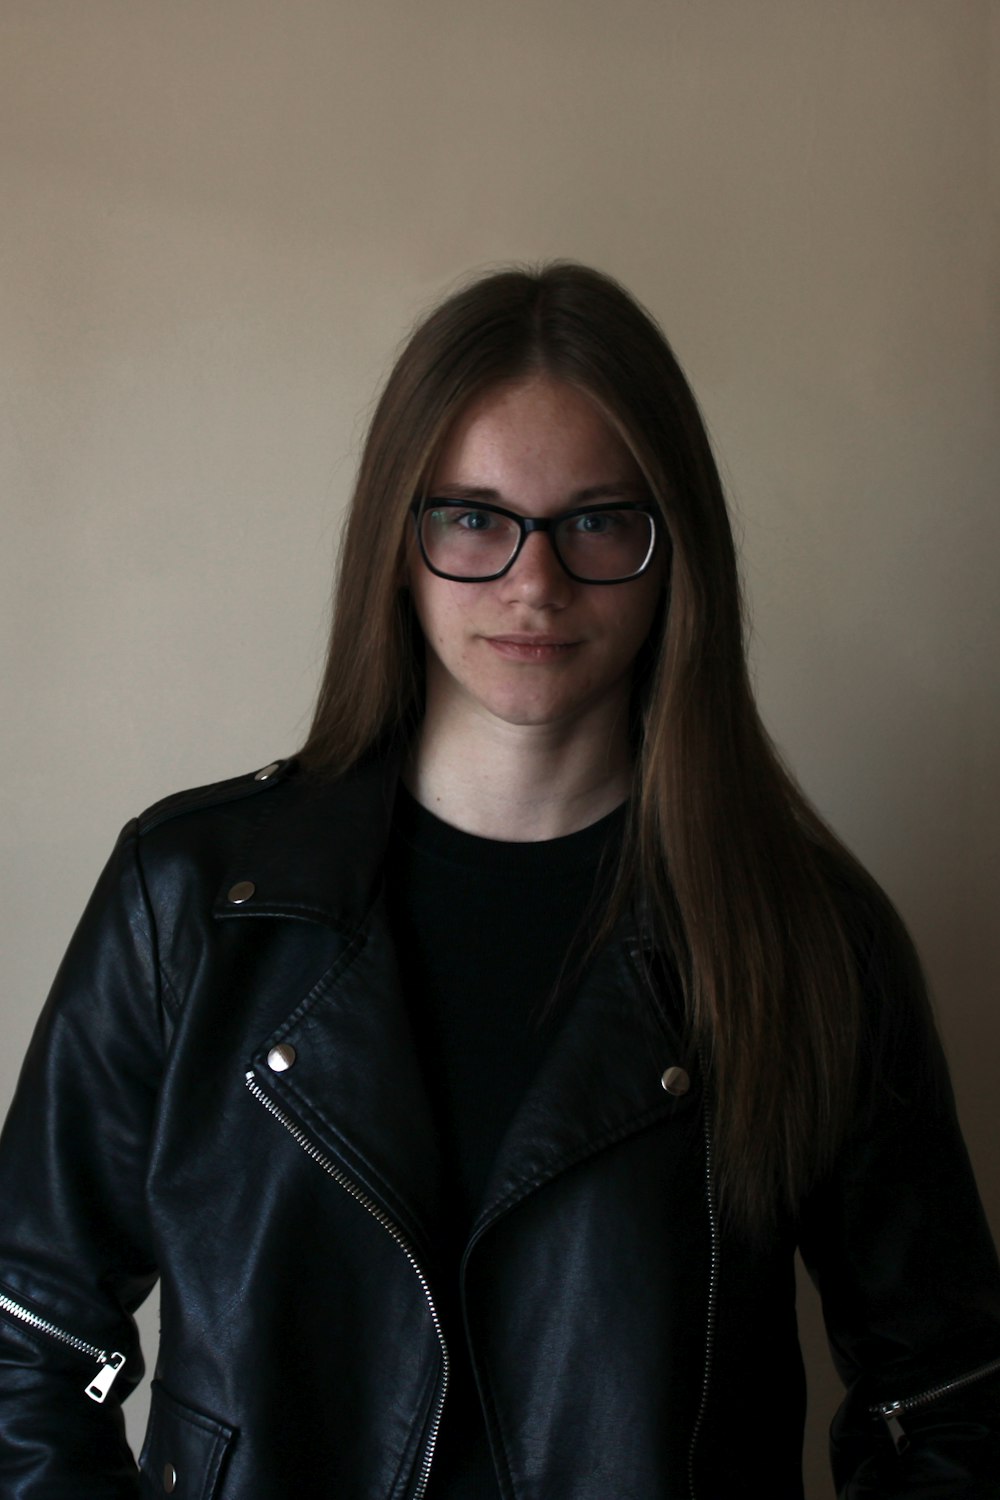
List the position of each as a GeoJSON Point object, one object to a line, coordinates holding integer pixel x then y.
{"type": "Point", "coordinates": [599, 546]}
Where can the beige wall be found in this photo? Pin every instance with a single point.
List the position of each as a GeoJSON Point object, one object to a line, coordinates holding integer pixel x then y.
{"type": "Point", "coordinates": [218, 217]}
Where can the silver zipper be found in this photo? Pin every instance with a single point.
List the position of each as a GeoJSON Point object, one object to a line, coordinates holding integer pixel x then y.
{"type": "Point", "coordinates": [382, 1218]}
{"type": "Point", "coordinates": [713, 1288]}
{"type": "Point", "coordinates": [892, 1411]}
{"type": "Point", "coordinates": [108, 1363]}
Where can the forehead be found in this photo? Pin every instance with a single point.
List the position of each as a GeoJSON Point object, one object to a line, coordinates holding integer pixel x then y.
{"type": "Point", "coordinates": [536, 433]}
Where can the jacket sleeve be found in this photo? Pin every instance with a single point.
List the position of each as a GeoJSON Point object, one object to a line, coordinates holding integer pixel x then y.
{"type": "Point", "coordinates": [75, 1254]}
{"type": "Point", "coordinates": [897, 1244]}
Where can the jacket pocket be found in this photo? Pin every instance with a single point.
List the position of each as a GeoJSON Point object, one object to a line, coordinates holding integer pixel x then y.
{"type": "Point", "coordinates": [185, 1450]}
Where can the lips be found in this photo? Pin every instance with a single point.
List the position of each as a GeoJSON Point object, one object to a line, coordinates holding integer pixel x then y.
{"type": "Point", "coordinates": [530, 648]}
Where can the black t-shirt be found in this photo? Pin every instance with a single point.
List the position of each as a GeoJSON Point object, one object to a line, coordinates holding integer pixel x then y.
{"type": "Point", "coordinates": [489, 935]}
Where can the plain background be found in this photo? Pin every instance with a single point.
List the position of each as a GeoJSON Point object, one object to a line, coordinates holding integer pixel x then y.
{"type": "Point", "coordinates": [220, 216]}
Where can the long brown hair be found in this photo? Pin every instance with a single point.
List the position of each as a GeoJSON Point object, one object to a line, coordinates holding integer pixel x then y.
{"type": "Point", "coordinates": [725, 852]}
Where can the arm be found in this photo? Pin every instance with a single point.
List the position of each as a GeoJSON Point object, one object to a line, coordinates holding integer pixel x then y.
{"type": "Point", "coordinates": [75, 1257]}
{"type": "Point", "coordinates": [898, 1246]}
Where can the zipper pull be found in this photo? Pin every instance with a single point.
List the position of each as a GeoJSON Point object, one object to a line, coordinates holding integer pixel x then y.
{"type": "Point", "coordinates": [105, 1377]}
{"type": "Point", "coordinates": [890, 1416]}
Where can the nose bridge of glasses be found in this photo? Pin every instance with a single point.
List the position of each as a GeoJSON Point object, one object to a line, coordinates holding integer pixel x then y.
{"type": "Point", "coordinates": [547, 524]}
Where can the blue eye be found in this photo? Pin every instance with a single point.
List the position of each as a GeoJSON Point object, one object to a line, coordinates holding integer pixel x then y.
{"type": "Point", "coordinates": [475, 520]}
{"type": "Point", "coordinates": [596, 523]}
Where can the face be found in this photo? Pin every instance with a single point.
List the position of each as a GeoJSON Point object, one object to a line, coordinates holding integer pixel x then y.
{"type": "Point", "coordinates": [534, 647]}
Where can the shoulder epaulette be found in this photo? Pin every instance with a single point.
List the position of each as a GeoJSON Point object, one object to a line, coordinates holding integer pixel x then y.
{"type": "Point", "coordinates": [216, 794]}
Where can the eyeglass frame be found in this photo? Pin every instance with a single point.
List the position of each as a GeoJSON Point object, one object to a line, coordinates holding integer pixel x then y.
{"type": "Point", "coordinates": [526, 524]}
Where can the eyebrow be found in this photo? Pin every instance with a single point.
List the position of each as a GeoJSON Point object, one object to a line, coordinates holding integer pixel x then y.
{"type": "Point", "coordinates": [624, 489]}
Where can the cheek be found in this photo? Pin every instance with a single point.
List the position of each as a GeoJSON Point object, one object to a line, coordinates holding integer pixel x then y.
{"type": "Point", "coordinates": [441, 614]}
{"type": "Point", "coordinates": [643, 617]}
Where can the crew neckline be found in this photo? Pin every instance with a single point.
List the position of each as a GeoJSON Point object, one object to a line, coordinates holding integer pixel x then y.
{"type": "Point", "coordinates": [424, 831]}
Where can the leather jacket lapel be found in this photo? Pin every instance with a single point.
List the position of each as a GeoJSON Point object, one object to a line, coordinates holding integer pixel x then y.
{"type": "Point", "coordinates": [344, 1066]}
{"type": "Point", "coordinates": [599, 1082]}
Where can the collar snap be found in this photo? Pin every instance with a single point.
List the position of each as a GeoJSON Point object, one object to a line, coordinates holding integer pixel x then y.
{"type": "Point", "coordinates": [281, 1057]}
{"type": "Point", "coordinates": [675, 1081]}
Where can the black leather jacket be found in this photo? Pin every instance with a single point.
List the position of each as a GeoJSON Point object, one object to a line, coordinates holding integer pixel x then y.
{"type": "Point", "coordinates": [223, 1092]}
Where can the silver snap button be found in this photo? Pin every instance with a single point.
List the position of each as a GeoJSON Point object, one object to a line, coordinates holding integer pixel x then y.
{"type": "Point", "coordinates": [675, 1081]}
{"type": "Point", "coordinates": [268, 771]}
{"type": "Point", "coordinates": [169, 1478]}
{"type": "Point", "coordinates": [280, 1058]}
{"type": "Point", "coordinates": [240, 892]}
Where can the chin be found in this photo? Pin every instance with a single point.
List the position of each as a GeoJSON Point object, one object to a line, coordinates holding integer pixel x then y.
{"type": "Point", "coordinates": [518, 711]}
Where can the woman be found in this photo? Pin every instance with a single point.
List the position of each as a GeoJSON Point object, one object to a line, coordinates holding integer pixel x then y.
{"type": "Point", "coordinates": [469, 1081]}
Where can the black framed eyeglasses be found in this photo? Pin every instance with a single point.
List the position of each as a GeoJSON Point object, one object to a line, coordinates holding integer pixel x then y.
{"type": "Point", "coordinates": [473, 541]}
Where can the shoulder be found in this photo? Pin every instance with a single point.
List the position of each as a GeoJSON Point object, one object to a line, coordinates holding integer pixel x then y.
{"type": "Point", "coordinates": [305, 842]}
{"type": "Point", "coordinates": [881, 947]}
{"type": "Point", "coordinates": [251, 785]}
{"type": "Point", "coordinates": [180, 847]}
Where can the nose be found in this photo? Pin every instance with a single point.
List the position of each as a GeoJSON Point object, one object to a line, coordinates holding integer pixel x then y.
{"type": "Point", "coordinates": [538, 578]}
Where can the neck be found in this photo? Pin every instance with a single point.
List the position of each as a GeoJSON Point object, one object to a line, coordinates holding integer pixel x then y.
{"type": "Point", "coordinates": [515, 782]}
